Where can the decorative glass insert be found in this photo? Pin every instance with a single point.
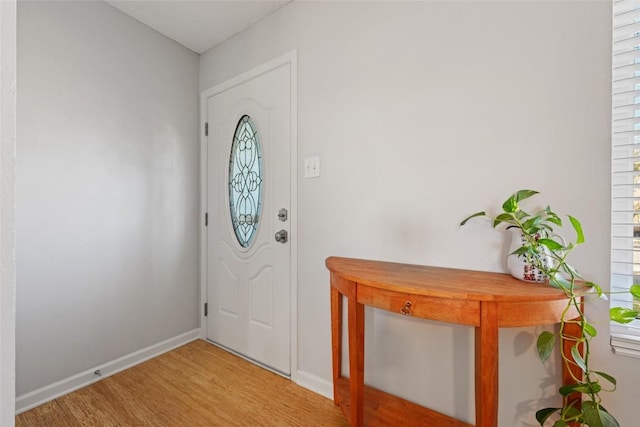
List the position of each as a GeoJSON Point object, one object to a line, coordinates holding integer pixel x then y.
{"type": "Point", "coordinates": [245, 181]}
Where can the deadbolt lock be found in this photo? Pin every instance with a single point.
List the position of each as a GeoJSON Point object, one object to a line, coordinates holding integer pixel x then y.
{"type": "Point", "coordinates": [282, 214]}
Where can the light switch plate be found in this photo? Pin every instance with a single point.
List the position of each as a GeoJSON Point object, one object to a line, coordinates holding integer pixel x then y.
{"type": "Point", "coordinates": [312, 167]}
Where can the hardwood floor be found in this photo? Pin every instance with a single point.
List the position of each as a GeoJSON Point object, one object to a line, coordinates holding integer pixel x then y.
{"type": "Point", "coordinates": [195, 385]}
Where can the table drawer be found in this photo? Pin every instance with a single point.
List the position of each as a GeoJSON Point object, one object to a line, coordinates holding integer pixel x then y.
{"type": "Point", "coordinates": [425, 307]}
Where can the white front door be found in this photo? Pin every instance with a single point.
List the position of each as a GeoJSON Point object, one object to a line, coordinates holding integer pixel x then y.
{"type": "Point", "coordinates": [248, 261]}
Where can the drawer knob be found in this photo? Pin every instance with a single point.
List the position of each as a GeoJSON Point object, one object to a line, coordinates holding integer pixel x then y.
{"type": "Point", "coordinates": [406, 310]}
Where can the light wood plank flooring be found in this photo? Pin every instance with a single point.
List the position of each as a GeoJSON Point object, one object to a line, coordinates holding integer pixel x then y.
{"type": "Point", "coordinates": [195, 385]}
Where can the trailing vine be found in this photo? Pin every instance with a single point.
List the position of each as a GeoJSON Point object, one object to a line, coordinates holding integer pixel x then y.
{"type": "Point", "coordinates": [539, 244]}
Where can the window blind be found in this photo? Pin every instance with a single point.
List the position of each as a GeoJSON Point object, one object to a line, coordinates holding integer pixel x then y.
{"type": "Point", "coordinates": [625, 204]}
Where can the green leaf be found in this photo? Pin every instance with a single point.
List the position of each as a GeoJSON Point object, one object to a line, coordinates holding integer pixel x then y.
{"type": "Point", "coordinates": [635, 290]}
{"type": "Point", "coordinates": [592, 387]}
{"type": "Point", "coordinates": [546, 341]}
{"type": "Point", "coordinates": [560, 423]}
{"type": "Point", "coordinates": [505, 217]}
{"type": "Point", "coordinates": [572, 412]}
{"type": "Point", "coordinates": [522, 250]}
{"type": "Point", "coordinates": [566, 390]}
{"type": "Point", "coordinates": [577, 357]}
{"type": "Point", "coordinates": [590, 330]}
{"type": "Point", "coordinates": [606, 376]}
{"type": "Point", "coordinates": [603, 408]}
{"type": "Point", "coordinates": [588, 388]}
{"type": "Point", "coordinates": [532, 224]}
{"type": "Point", "coordinates": [464, 221]}
{"type": "Point", "coordinates": [596, 287]}
{"type": "Point", "coordinates": [510, 205]}
{"type": "Point", "coordinates": [551, 244]}
{"type": "Point", "coordinates": [555, 219]}
{"type": "Point", "coordinates": [524, 194]}
{"type": "Point", "coordinates": [543, 414]}
{"type": "Point", "coordinates": [597, 417]}
{"type": "Point", "coordinates": [622, 315]}
{"type": "Point", "coordinates": [592, 417]}
{"type": "Point", "coordinates": [552, 216]}
{"type": "Point", "coordinates": [578, 227]}
{"type": "Point", "coordinates": [608, 420]}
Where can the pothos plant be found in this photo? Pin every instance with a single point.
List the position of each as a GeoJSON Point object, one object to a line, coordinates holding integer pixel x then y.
{"type": "Point", "coordinates": [538, 244]}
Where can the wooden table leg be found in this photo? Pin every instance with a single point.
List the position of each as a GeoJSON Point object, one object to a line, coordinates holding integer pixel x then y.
{"type": "Point", "coordinates": [486, 364]}
{"type": "Point", "coordinates": [356, 360]}
{"type": "Point", "coordinates": [336, 339]}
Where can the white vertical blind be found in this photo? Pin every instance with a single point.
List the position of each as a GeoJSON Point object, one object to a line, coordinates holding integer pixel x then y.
{"type": "Point", "coordinates": [625, 205]}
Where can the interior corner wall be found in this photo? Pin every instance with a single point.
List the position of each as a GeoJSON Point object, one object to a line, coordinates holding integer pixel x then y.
{"type": "Point", "coordinates": [7, 210]}
{"type": "Point", "coordinates": [107, 189]}
{"type": "Point", "coordinates": [423, 113]}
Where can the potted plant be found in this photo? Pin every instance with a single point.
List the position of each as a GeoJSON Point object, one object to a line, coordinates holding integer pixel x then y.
{"type": "Point", "coordinates": [547, 252]}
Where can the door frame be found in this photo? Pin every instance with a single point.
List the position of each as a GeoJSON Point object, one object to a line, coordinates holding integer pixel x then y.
{"type": "Point", "coordinates": [290, 59]}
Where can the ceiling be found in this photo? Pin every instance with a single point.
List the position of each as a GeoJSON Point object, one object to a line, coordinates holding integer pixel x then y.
{"type": "Point", "coordinates": [201, 24]}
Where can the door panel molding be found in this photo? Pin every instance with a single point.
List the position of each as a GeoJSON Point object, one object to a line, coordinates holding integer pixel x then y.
{"type": "Point", "coordinates": [287, 60]}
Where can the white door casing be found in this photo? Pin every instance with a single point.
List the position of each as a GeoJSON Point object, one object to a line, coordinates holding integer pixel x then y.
{"type": "Point", "coordinates": [251, 291]}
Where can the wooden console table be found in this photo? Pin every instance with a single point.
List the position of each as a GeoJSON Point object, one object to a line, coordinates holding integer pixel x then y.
{"type": "Point", "coordinates": [486, 301]}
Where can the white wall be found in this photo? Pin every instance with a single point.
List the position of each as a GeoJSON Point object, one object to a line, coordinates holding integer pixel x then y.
{"type": "Point", "coordinates": [422, 113]}
{"type": "Point", "coordinates": [7, 210]}
{"type": "Point", "coordinates": [107, 189]}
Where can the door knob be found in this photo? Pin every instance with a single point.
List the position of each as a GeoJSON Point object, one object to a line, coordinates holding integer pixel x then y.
{"type": "Point", "coordinates": [281, 236]}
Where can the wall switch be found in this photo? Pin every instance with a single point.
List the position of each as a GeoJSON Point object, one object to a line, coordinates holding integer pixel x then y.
{"type": "Point", "coordinates": [311, 167]}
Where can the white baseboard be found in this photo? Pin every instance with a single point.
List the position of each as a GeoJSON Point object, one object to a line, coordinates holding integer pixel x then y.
{"type": "Point", "coordinates": [314, 383]}
{"type": "Point", "coordinates": [60, 388]}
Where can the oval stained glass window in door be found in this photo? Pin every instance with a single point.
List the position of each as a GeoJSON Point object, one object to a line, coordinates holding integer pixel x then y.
{"type": "Point", "coordinates": [245, 181]}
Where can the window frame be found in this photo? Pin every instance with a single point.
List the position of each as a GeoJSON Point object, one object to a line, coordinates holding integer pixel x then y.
{"type": "Point", "coordinates": [625, 170]}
